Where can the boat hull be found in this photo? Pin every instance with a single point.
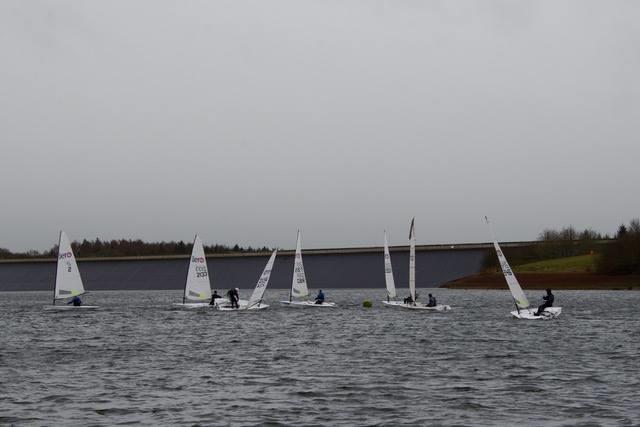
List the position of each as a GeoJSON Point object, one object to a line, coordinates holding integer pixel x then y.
{"type": "Point", "coordinates": [417, 306]}
{"type": "Point", "coordinates": [242, 308]}
{"type": "Point", "coordinates": [191, 305]}
{"type": "Point", "coordinates": [528, 314]}
{"type": "Point", "coordinates": [302, 304]}
{"type": "Point", "coordinates": [196, 305]}
{"type": "Point", "coordinates": [70, 307]}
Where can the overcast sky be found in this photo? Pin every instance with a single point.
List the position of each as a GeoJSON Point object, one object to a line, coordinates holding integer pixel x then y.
{"type": "Point", "coordinates": [245, 120]}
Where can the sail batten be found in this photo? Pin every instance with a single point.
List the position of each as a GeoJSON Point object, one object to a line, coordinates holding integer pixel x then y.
{"type": "Point", "coordinates": [197, 286]}
{"type": "Point", "coordinates": [299, 287]}
{"type": "Point", "coordinates": [68, 281]}
{"type": "Point", "coordinates": [388, 270]}
{"type": "Point", "coordinates": [514, 286]}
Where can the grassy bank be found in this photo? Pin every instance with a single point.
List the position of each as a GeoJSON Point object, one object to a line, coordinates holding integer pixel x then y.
{"type": "Point", "coordinates": [560, 273]}
{"type": "Point", "coordinates": [574, 264]}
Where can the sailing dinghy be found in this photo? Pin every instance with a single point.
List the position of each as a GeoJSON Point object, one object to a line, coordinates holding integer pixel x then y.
{"type": "Point", "coordinates": [68, 281]}
{"type": "Point", "coordinates": [255, 301]}
{"type": "Point", "coordinates": [299, 288]}
{"type": "Point", "coordinates": [391, 289]}
{"type": "Point", "coordinates": [197, 287]}
{"type": "Point", "coordinates": [524, 310]}
{"type": "Point", "coordinates": [388, 276]}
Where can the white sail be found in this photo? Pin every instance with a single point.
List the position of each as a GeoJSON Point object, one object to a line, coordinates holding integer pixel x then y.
{"type": "Point", "coordinates": [412, 261]}
{"type": "Point", "coordinates": [68, 280]}
{"type": "Point", "coordinates": [261, 286]}
{"type": "Point", "coordinates": [197, 287]}
{"type": "Point", "coordinates": [299, 284]}
{"type": "Point", "coordinates": [388, 270]}
{"type": "Point", "coordinates": [516, 291]}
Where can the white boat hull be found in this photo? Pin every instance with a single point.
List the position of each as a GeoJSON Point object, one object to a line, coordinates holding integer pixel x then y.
{"type": "Point", "coordinates": [416, 306]}
{"type": "Point", "coordinates": [529, 313]}
{"type": "Point", "coordinates": [192, 305]}
{"type": "Point", "coordinates": [219, 302]}
{"type": "Point", "coordinates": [242, 307]}
{"type": "Point", "coordinates": [255, 300]}
{"type": "Point", "coordinates": [70, 307]}
{"type": "Point", "coordinates": [307, 304]}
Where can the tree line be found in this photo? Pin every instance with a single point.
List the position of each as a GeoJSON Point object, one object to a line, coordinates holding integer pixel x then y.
{"type": "Point", "coordinates": [618, 254]}
{"type": "Point", "coordinates": [623, 255]}
{"type": "Point", "coordinates": [129, 247]}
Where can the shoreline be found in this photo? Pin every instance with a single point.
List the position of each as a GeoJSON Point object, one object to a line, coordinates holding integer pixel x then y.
{"type": "Point", "coordinates": [555, 281]}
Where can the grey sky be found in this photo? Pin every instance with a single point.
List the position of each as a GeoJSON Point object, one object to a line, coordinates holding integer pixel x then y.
{"type": "Point", "coordinates": [244, 120]}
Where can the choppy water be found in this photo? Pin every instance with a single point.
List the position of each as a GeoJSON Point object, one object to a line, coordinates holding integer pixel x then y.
{"type": "Point", "coordinates": [137, 361]}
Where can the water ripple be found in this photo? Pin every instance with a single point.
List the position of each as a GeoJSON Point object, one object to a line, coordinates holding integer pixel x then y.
{"type": "Point", "coordinates": [139, 361]}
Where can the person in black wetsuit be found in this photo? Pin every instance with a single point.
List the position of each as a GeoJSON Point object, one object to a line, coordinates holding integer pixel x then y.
{"type": "Point", "coordinates": [320, 297]}
{"type": "Point", "coordinates": [236, 293]}
{"type": "Point", "coordinates": [548, 302]}
{"type": "Point", "coordinates": [214, 297]}
{"type": "Point", "coordinates": [76, 301]}
{"type": "Point", "coordinates": [432, 301]}
{"type": "Point", "coordinates": [232, 294]}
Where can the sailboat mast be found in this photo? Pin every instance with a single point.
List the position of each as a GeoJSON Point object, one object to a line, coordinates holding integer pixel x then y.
{"type": "Point", "coordinates": [55, 282]}
{"type": "Point", "coordinates": [512, 283]}
{"type": "Point", "coordinates": [294, 267]}
{"type": "Point", "coordinates": [298, 280]}
{"type": "Point", "coordinates": [294, 272]}
{"type": "Point", "coordinates": [412, 262]}
{"type": "Point", "coordinates": [388, 271]}
{"type": "Point", "coordinates": [186, 281]}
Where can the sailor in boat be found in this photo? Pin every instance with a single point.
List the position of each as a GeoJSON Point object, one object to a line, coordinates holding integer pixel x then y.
{"type": "Point", "coordinates": [320, 297]}
{"type": "Point", "coordinates": [432, 301]}
{"type": "Point", "coordinates": [213, 298]}
{"type": "Point", "coordinates": [548, 302]}
{"type": "Point", "coordinates": [408, 300]}
{"type": "Point", "coordinates": [76, 301]}
{"type": "Point", "coordinates": [236, 293]}
{"type": "Point", "coordinates": [233, 296]}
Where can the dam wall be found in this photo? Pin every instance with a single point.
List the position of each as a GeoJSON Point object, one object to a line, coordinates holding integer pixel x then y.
{"type": "Point", "coordinates": [325, 268]}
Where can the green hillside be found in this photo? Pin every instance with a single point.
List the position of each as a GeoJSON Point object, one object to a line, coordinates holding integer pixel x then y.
{"type": "Point", "coordinates": [574, 264]}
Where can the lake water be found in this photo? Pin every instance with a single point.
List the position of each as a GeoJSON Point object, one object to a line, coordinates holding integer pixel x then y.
{"type": "Point", "coordinates": [137, 361]}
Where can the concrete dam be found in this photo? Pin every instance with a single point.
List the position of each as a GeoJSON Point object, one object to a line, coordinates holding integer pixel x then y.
{"type": "Point", "coordinates": [325, 268]}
